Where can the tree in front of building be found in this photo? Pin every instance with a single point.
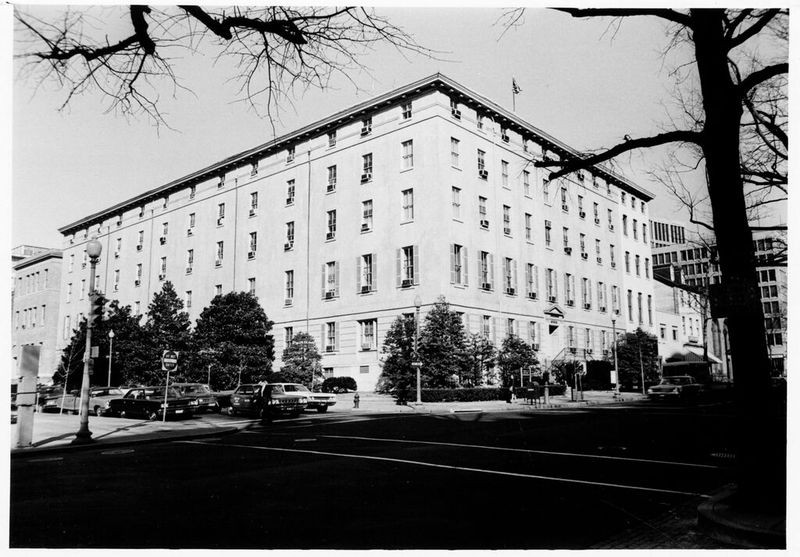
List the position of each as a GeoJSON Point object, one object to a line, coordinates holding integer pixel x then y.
{"type": "Point", "coordinates": [301, 360]}
{"type": "Point", "coordinates": [514, 355]}
{"type": "Point", "coordinates": [442, 347]}
{"type": "Point", "coordinates": [232, 335]}
{"type": "Point", "coordinates": [397, 375]}
{"type": "Point", "coordinates": [480, 355]}
{"type": "Point", "coordinates": [637, 352]}
{"type": "Point", "coordinates": [167, 326]}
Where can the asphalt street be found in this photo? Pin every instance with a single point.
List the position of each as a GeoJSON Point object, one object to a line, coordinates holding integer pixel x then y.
{"type": "Point", "coordinates": [557, 479]}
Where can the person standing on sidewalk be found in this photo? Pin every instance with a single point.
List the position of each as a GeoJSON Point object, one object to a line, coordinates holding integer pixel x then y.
{"type": "Point", "coordinates": [356, 400]}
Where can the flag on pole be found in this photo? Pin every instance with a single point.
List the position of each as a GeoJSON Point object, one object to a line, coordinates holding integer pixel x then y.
{"type": "Point", "coordinates": [514, 87]}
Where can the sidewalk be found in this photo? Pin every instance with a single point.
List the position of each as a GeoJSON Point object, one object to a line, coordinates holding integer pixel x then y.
{"type": "Point", "coordinates": [56, 432]}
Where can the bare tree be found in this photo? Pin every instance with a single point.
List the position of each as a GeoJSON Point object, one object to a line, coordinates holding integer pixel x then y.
{"type": "Point", "coordinates": [739, 131]}
{"type": "Point", "coordinates": [127, 54]}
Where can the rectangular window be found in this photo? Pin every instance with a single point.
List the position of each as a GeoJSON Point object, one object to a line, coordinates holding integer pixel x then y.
{"type": "Point", "coordinates": [565, 238]}
{"type": "Point", "coordinates": [625, 225]}
{"type": "Point", "coordinates": [192, 191]}
{"type": "Point", "coordinates": [482, 212]}
{"type": "Point", "coordinates": [251, 286]}
{"type": "Point", "coordinates": [188, 298]}
{"type": "Point", "coordinates": [407, 266]}
{"type": "Point", "coordinates": [289, 235]}
{"type": "Point", "coordinates": [504, 173]}
{"type": "Point", "coordinates": [189, 260]}
{"type": "Point", "coordinates": [289, 284]}
{"type": "Point", "coordinates": [509, 327]}
{"type": "Point", "coordinates": [486, 270]}
{"type": "Point", "coordinates": [366, 176]}
{"type": "Point", "coordinates": [408, 205]}
{"type": "Point", "coordinates": [582, 245]}
{"type": "Point", "coordinates": [289, 154]}
{"type": "Point", "coordinates": [138, 273]}
{"type": "Point", "coordinates": [639, 306]}
{"type": "Point", "coordinates": [601, 296]}
{"type": "Point", "coordinates": [482, 164]}
{"type": "Point", "coordinates": [531, 281]}
{"type": "Point", "coordinates": [330, 280]}
{"type": "Point", "coordinates": [644, 233]}
{"type": "Point", "coordinates": [331, 179]}
{"type": "Point", "coordinates": [636, 265]}
{"type": "Point", "coordinates": [550, 285]}
{"type": "Point", "coordinates": [220, 253]}
{"type": "Point", "coordinates": [290, 191]}
{"type": "Point", "coordinates": [528, 225]}
{"type": "Point", "coordinates": [506, 220]}
{"type": "Point", "coordinates": [596, 213]}
{"type": "Point", "coordinates": [407, 160]}
{"type": "Point", "coordinates": [458, 265]}
{"type": "Point", "coordinates": [649, 309]}
{"type": "Point", "coordinates": [366, 272]}
{"type": "Point", "coordinates": [331, 219]}
{"type": "Point", "coordinates": [330, 336]}
{"type": "Point", "coordinates": [366, 126]}
{"type": "Point", "coordinates": [163, 268]}
{"type": "Point", "coordinates": [479, 121]}
{"type": "Point", "coordinates": [454, 151]}
{"type": "Point", "coordinates": [406, 109]}
{"type": "Point", "coordinates": [628, 262]}
{"type": "Point", "coordinates": [288, 335]}
{"type": "Point", "coordinates": [526, 183]}
{"type": "Point", "coordinates": [615, 299]}
{"type": "Point", "coordinates": [647, 267]}
{"type": "Point", "coordinates": [569, 287]}
{"type": "Point", "coordinates": [83, 289]}
{"type": "Point", "coordinates": [630, 305]}
{"type": "Point", "coordinates": [253, 244]}
{"type": "Point", "coordinates": [140, 242]}
{"type": "Point", "coordinates": [581, 213]}
{"type": "Point", "coordinates": [368, 336]}
{"type": "Point", "coordinates": [635, 229]}
{"type": "Point", "coordinates": [192, 220]}
{"type": "Point", "coordinates": [332, 138]}
{"type": "Point", "coordinates": [486, 326]}
{"type": "Point", "coordinates": [456, 202]}
{"type": "Point", "coordinates": [564, 206]}
{"type": "Point", "coordinates": [546, 190]}
{"type": "Point", "coordinates": [510, 275]}
{"type": "Point", "coordinates": [366, 215]}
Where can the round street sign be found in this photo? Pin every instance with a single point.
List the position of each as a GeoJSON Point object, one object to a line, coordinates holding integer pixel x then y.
{"type": "Point", "coordinates": [169, 360]}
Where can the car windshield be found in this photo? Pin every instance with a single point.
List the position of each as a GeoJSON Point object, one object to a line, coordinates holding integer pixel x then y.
{"type": "Point", "coordinates": [247, 390]}
{"type": "Point", "coordinates": [676, 381]}
{"type": "Point", "coordinates": [277, 389]}
{"type": "Point", "coordinates": [194, 389]}
{"type": "Point", "coordinates": [294, 387]}
{"type": "Point", "coordinates": [152, 393]}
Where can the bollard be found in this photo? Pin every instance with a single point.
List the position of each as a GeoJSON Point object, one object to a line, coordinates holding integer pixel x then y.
{"type": "Point", "coordinates": [546, 394]}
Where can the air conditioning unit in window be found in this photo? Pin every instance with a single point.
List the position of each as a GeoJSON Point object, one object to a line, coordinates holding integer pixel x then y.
{"type": "Point", "coordinates": [330, 236]}
{"type": "Point", "coordinates": [597, 221]}
{"type": "Point", "coordinates": [486, 286]}
{"type": "Point", "coordinates": [189, 231]}
{"type": "Point", "coordinates": [565, 207]}
{"type": "Point", "coordinates": [613, 264]}
{"type": "Point", "coordinates": [364, 227]}
{"type": "Point", "coordinates": [116, 287]}
{"type": "Point", "coordinates": [329, 349]}
{"type": "Point", "coordinates": [511, 291]}
{"type": "Point", "coordinates": [600, 260]}
{"type": "Point", "coordinates": [218, 262]}
{"type": "Point", "coordinates": [139, 247]}
{"type": "Point", "coordinates": [588, 350]}
{"type": "Point", "coordinates": [137, 282]}
{"type": "Point", "coordinates": [504, 137]}
{"type": "Point", "coordinates": [287, 246]}
{"type": "Point", "coordinates": [603, 309]}
{"type": "Point", "coordinates": [289, 200]}
{"type": "Point", "coordinates": [331, 187]}
{"type": "Point", "coordinates": [405, 283]}
{"type": "Point", "coordinates": [535, 346]}
{"type": "Point", "coordinates": [220, 221]}
{"type": "Point", "coordinates": [532, 295]}
{"type": "Point", "coordinates": [582, 214]}
{"type": "Point", "coordinates": [365, 289]}
{"type": "Point", "coordinates": [251, 255]}
{"type": "Point", "coordinates": [456, 113]}
{"type": "Point", "coordinates": [570, 303]}
{"type": "Point", "coordinates": [572, 350]}
{"type": "Point", "coordinates": [551, 299]}
{"type": "Point", "coordinates": [366, 346]}
{"type": "Point", "coordinates": [366, 177]}
{"type": "Point", "coordinates": [611, 227]}
{"type": "Point", "coordinates": [83, 265]}
{"type": "Point", "coordinates": [188, 270]}
{"type": "Point", "coordinates": [484, 223]}
{"type": "Point", "coordinates": [162, 240]}
{"type": "Point", "coordinates": [568, 250]}
{"type": "Point", "coordinates": [483, 174]}
{"type": "Point", "coordinates": [252, 212]}
{"type": "Point", "coordinates": [507, 231]}
{"type": "Point", "coordinates": [580, 176]}
{"type": "Point", "coordinates": [587, 306]}
{"type": "Point", "coordinates": [365, 130]}
{"type": "Point", "coordinates": [162, 276]}
{"type": "Point", "coordinates": [605, 351]}
{"type": "Point", "coordinates": [329, 294]}
{"type": "Point", "coordinates": [584, 255]}
{"type": "Point", "coordinates": [616, 311]}
{"type": "Point", "coordinates": [287, 302]}
{"type": "Point", "coordinates": [116, 255]}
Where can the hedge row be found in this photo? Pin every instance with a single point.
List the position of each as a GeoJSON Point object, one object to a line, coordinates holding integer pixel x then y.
{"type": "Point", "coordinates": [479, 394]}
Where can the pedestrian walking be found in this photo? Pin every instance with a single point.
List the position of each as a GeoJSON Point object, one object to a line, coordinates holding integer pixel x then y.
{"type": "Point", "coordinates": [356, 400]}
{"type": "Point", "coordinates": [513, 393]}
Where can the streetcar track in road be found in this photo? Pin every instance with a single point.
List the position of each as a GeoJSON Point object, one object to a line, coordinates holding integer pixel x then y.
{"type": "Point", "coordinates": [530, 451]}
{"type": "Point", "coordinates": [457, 468]}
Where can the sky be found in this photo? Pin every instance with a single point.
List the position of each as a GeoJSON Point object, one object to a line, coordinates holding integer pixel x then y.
{"type": "Point", "coordinates": [587, 83]}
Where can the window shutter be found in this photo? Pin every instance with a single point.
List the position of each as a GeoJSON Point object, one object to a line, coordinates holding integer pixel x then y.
{"type": "Point", "coordinates": [417, 270]}
{"type": "Point", "coordinates": [358, 274]}
{"type": "Point", "coordinates": [336, 337]}
{"type": "Point", "coordinates": [535, 271]}
{"type": "Point", "coordinates": [323, 281]}
{"type": "Point", "coordinates": [465, 267]}
{"type": "Point", "coordinates": [399, 265]}
{"type": "Point", "coordinates": [453, 263]}
{"type": "Point", "coordinates": [336, 278]}
{"type": "Point", "coordinates": [515, 274]}
{"type": "Point", "coordinates": [375, 281]}
{"type": "Point", "coordinates": [491, 271]}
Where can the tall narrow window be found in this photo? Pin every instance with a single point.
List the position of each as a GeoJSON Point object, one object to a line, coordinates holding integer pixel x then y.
{"type": "Point", "coordinates": [253, 202]}
{"type": "Point", "coordinates": [366, 215]}
{"type": "Point", "coordinates": [504, 173]}
{"type": "Point", "coordinates": [486, 270]}
{"type": "Point", "coordinates": [163, 273]}
{"type": "Point", "coordinates": [625, 225]}
{"type": "Point", "coordinates": [290, 191]}
{"type": "Point", "coordinates": [189, 260]}
{"type": "Point", "coordinates": [456, 202]}
{"type": "Point", "coordinates": [366, 272]}
{"type": "Point", "coordinates": [550, 285]}
{"type": "Point", "coordinates": [528, 232]}
{"type": "Point", "coordinates": [547, 228]}
{"type": "Point", "coordinates": [531, 281]}
{"type": "Point", "coordinates": [482, 212]}
{"type": "Point", "coordinates": [506, 220]}
{"type": "Point", "coordinates": [649, 309]}
{"type": "Point", "coordinates": [289, 286]}
{"type": "Point", "coordinates": [366, 126]}
{"type": "Point", "coordinates": [253, 245]}
{"type": "Point", "coordinates": [220, 253]}
{"type": "Point", "coordinates": [332, 138]}
{"type": "Point", "coordinates": [636, 264]}
{"type": "Point", "coordinates": [331, 225]}
{"type": "Point", "coordinates": [366, 176]}
{"type": "Point", "coordinates": [454, 151]}
{"type": "Point", "coordinates": [331, 178]}
{"type": "Point", "coordinates": [406, 110]}
{"type": "Point", "coordinates": [290, 154]}
{"type": "Point", "coordinates": [408, 205]}
{"type": "Point", "coordinates": [630, 305]}
{"type": "Point", "coordinates": [581, 213]}
{"type": "Point", "coordinates": [188, 299]}
{"type": "Point", "coordinates": [526, 183]}
{"type": "Point", "coordinates": [458, 265]}
{"type": "Point", "coordinates": [639, 306]}
{"type": "Point", "coordinates": [251, 286]}
{"type": "Point", "coordinates": [564, 206]}
{"type": "Point", "coordinates": [482, 164]}
{"type": "Point", "coordinates": [635, 228]}
{"type": "Point", "coordinates": [628, 262]}
{"type": "Point", "coordinates": [407, 160]}
{"type": "Point", "coordinates": [330, 279]}
{"type": "Point", "coordinates": [407, 266]}
{"type": "Point", "coordinates": [220, 214]}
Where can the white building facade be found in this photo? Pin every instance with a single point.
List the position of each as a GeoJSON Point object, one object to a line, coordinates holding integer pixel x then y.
{"type": "Point", "coordinates": [428, 190]}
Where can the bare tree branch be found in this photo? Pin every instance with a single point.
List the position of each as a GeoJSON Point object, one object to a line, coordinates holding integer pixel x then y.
{"type": "Point", "coordinates": [754, 29]}
{"type": "Point", "coordinates": [670, 15]}
{"type": "Point", "coordinates": [762, 75]}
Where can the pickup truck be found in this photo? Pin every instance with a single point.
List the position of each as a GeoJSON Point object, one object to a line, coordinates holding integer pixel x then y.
{"type": "Point", "coordinates": [267, 401]}
{"type": "Point", "coordinates": [148, 402]}
{"type": "Point", "coordinates": [320, 401]}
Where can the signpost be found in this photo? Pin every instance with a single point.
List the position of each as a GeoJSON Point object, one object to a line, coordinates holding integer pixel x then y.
{"type": "Point", "coordinates": [169, 362]}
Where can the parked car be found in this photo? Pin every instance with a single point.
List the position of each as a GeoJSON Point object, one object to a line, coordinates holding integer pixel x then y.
{"type": "Point", "coordinates": [206, 401]}
{"type": "Point", "coordinates": [267, 400]}
{"type": "Point", "coordinates": [71, 402]}
{"type": "Point", "coordinates": [677, 387]}
{"type": "Point", "coordinates": [148, 402]}
{"type": "Point", "coordinates": [320, 401]}
{"type": "Point", "coordinates": [43, 393]}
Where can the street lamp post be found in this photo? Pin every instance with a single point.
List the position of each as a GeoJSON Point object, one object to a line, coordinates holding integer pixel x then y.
{"type": "Point", "coordinates": [614, 351]}
{"type": "Point", "coordinates": [110, 353]}
{"type": "Point", "coordinates": [93, 249]}
{"type": "Point", "coordinates": [417, 304]}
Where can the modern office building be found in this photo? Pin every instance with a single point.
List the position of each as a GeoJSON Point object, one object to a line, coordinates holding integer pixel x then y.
{"type": "Point", "coordinates": [667, 233]}
{"type": "Point", "coordinates": [34, 305]}
{"type": "Point", "coordinates": [429, 190]}
{"type": "Point", "coordinates": [698, 267]}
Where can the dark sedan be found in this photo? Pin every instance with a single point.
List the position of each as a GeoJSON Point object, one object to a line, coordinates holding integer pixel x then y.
{"type": "Point", "coordinates": [266, 401]}
{"type": "Point", "coordinates": [206, 401]}
{"type": "Point", "coordinates": [149, 403]}
{"type": "Point", "coordinates": [678, 387]}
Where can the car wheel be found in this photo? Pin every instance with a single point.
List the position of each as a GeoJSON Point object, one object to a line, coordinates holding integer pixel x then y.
{"type": "Point", "coordinates": [322, 409]}
{"type": "Point", "coordinates": [152, 415]}
{"type": "Point", "coordinates": [97, 410]}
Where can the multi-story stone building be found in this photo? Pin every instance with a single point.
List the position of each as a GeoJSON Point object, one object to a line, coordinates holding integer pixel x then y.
{"type": "Point", "coordinates": [428, 190]}
{"type": "Point", "coordinates": [34, 305]}
{"type": "Point", "coordinates": [698, 267]}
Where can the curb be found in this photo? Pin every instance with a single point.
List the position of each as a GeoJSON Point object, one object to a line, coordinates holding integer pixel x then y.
{"type": "Point", "coordinates": [126, 440]}
{"type": "Point", "coordinates": [720, 521]}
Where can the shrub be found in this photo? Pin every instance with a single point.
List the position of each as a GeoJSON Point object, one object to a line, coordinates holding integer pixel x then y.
{"type": "Point", "coordinates": [462, 395]}
{"type": "Point", "coordinates": [339, 385]}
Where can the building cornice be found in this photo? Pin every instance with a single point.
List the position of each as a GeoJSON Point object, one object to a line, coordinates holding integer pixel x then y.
{"type": "Point", "coordinates": [32, 260]}
{"type": "Point", "coordinates": [434, 82]}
